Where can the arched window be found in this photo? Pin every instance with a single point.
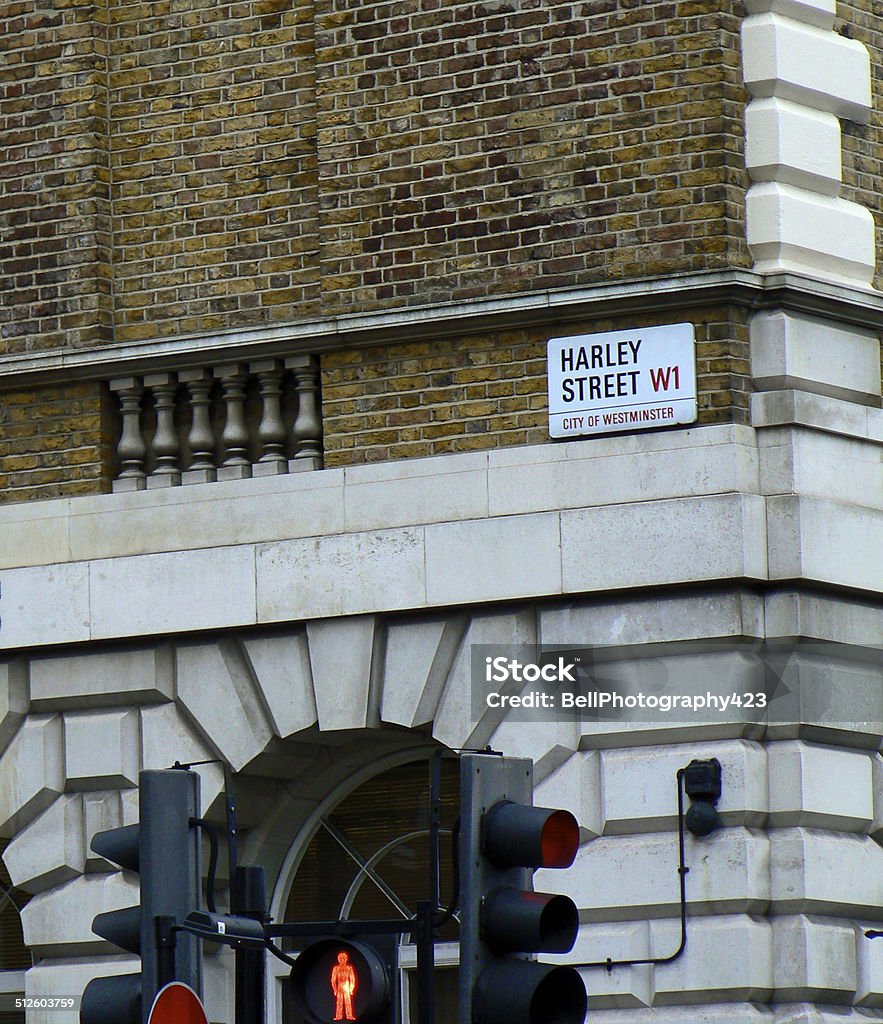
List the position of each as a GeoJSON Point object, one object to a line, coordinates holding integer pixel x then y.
{"type": "Point", "coordinates": [368, 858]}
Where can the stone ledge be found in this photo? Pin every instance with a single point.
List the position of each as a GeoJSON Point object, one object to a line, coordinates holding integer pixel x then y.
{"type": "Point", "coordinates": [851, 303]}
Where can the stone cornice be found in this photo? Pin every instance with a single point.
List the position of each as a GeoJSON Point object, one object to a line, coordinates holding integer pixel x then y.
{"type": "Point", "coordinates": [741, 288]}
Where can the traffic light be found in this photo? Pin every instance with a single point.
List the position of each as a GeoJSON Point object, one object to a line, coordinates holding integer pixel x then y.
{"type": "Point", "coordinates": [347, 979]}
{"type": "Point", "coordinates": [164, 849]}
{"type": "Point", "coordinates": [503, 839]}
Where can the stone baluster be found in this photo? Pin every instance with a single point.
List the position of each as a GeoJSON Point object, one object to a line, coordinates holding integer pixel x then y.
{"type": "Point", "coordinates": [307, 430]}
{"type": "Point", "coordinates": [236, 464]}
{"type": "Point", "coordinates": [131, 448]}
{"type": "Point", "coordinates": [165, 441]}
{"type": "Point", "coordinates": [271, 432]}
{"type": "Point", "coordinates": [201, 438]}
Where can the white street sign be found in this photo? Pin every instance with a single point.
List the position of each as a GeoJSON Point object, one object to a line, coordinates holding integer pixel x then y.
{"type": "Point", "coordinates": [638, 379]}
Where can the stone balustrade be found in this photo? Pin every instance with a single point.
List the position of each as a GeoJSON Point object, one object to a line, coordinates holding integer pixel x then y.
{"type": "Point", "coordinates": [223, 423]}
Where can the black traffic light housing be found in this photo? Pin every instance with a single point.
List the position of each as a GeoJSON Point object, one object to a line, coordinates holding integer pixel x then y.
{"type": "Point", "coordinates": [348, 975]}
{"type": "Point", "coordinates": [503, 839]}
{"type": "Point", "coordinates": [164, 849]}
{"type": "Point", "coordinates": [702, 783]}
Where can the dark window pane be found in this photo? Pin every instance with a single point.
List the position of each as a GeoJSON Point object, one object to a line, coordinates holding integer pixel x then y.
{"type": "Point", "coordinates": [445, 996]}
{"type": "Point", "coordinates": [386, 817]}
{"type": "Point", "coordinates": [14, 954]}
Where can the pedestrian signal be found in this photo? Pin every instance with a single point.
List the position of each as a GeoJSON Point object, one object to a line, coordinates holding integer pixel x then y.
{"type": "Point", "coordinates": [347, 981]}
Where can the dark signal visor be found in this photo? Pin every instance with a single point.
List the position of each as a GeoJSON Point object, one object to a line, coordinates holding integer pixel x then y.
{"type": "Point", "coordinates": [516, 835]}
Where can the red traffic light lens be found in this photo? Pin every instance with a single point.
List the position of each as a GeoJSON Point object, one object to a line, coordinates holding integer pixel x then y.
{"type": "Point", "coordinates": [560, 840]}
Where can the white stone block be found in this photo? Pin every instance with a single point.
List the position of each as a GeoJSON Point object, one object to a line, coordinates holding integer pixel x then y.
{"type": "Point", "coordinates": [805, 353]}
{"type": "Point", "coordinates": [576, 787]}
{"type": "Point", "coordinates": [814, 961]}
{"type": "Point", "coordinates": [226, 514]}
{"type": "Point", "coordinates": [869, 957]}
{"type": "Point", "coordinates": [818, 787]}
{"type": "Point", "coordinates": [656, 543]}
{"type": "Point", "coordinates": [412, 491]}
{"type": "Point", "coordinates": [627, 877]}
{"type": "Point", "coordinates": [736, 962]}
{"type": "Point", "coordinates": [832, 617]}
{"type": "Point", "coordinates": [493, 559]}
{"type": "Point", "coordinates": [102, 749]}
{"type": "Point", "coordinates": [281, 666]}
{"type": "Point", "coordinates": [805, 409]}
{"type": "Point", "coordinates": [59, 922]}
{"type": "Point", "coordinates": [877, 770]}
{"type": "Point", "coordinates": [102, 811]}
{"type": "Point", "coordinates": [794, 145]}
{"type": "Point", "coordinates": [622, 986]}
{"type": "Point", "coordinates": [30, 539]}
{"type": "Point", "coordinates": [341, 655]}
{"type": "Point", "coordinates": [31, 772]}
{"type": "Point", "coordinates": [216, 688]}
{"type": "Point", "coordinates": [820, 69]}
{"type": "Point", "coordinates": [47, 604]}
{"type": "Point", "coordinates": [820, 13]}
{"type": "Point", "coordinates": [822, 465]}
{"type": "Point", "coordinates": [714, 1013]}
{"type": "Point", "coordinates": [644, 689]}
{"type": "Point", "coordinates": [137, 676]}
{"type": "Point", "coordinates": [825, 541]}
{"type": "Point", "coordinates": [172, 593]}
{"type": "Point", "coordinates": [824, 873]}
{"type": "Point", "coordinates": [615, 622]}
{"type": "Point", "coordinates": [463, 718]}
{"type": "Point", "coordinates": [340, 575]}
{"type": "Point", "coordinates": [51, 849]}
{"type": "Point", "coordinates": [419, 655]}
{"type": "Point", "coordinates": [13, 698]}
{"type": "Point", "coordinates": [547, 740]}
{"type": "Point", "coordinates": [218, 985]}
{"type": "Point", "coordinates": [833, 698]}
{"type": "Point", "coordinates": [589, 478]}
{"type": "Point", "coordinates": [641, 790]}
{"type": "Point", "coordinates": [167, 736]}
{"type": "Point", "coordinates": [791, 229]}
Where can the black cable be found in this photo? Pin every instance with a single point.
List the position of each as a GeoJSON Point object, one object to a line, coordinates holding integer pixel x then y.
{"type": "Point", "coordinates": [277, 952]}
{"type": "Point", "coordinates": [609, 963]}
{"type": "Point", "coordinates": [209, 830]}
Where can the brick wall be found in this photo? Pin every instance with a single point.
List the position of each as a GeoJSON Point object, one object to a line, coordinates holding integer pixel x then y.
{"type": "Point", "coordinates": [54, 442]}
{"type": "Point", "coordinates": [489, 391]}
{"type": "Point", "coordinates": [479, 148]}
{"type": "Point", "coordinates": [54, 200]}
{"type": "Point", "coordinates": [261, 161]}
{"type": "Point", "coordinates": [175, 168]}
{"type": "Point", "coordinates": [214, 165]}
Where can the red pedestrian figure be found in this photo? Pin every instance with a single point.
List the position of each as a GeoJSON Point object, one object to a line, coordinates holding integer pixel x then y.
{"type": "Point", "coordinates": [343, 985]}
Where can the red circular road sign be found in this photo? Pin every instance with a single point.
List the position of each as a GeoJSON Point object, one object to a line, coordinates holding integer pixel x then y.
{"type": "Point", "coordinates": [177, 1003]}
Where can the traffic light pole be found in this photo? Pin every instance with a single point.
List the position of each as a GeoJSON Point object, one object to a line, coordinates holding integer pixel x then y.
{"type": "Point", "coordinates": [425, 963]}
{"type": "Point", "coordinates": [251, 902]}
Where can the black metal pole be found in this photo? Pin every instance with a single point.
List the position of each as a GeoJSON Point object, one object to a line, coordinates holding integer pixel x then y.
{"type": "Point", "coordinates": [251, 899]}
{"type": "Point", "coordinates": [425, 963]}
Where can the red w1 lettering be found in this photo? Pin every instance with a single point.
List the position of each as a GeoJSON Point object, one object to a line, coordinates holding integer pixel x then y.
{"type": "Point", "coordinates": [661, 377]}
